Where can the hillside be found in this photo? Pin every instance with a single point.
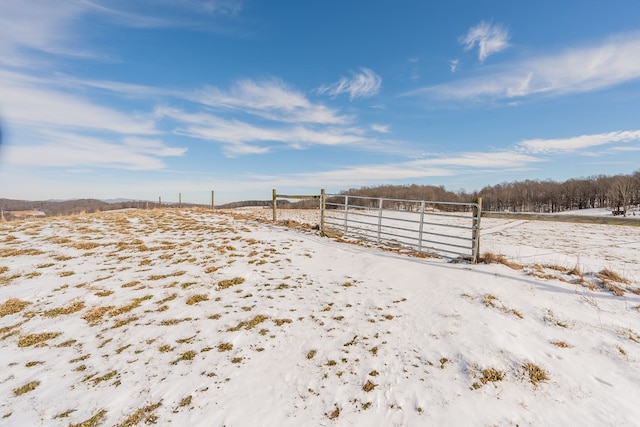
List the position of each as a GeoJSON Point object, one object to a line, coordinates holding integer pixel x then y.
{"type": "Point", "coordinates": [200, 318]}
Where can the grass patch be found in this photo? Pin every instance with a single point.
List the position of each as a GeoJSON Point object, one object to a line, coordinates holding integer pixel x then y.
{"type": "Point", "coordinates": [311, 354]}
{"type": "Point", "coordinates": [26, 388]}
{"type": "Point", "coordinates": [194, 299]}
{"type": "Point", "coordinates": [225, 346]}
{"type": "Point", "coordinates": [369, 386]}
{"type": "Point", "coordinates": [12, 306]}
{"type": "Point", "coordinates": [491, 258]}
{"type": "Point", "coordinates": [187, 355]}
{"type": "Point", "coordinates": [123, 322]}
{"type": "Point", "coordinates": [280, 322]}
{"type": "Point", "coordinates": [256, 320]}
{"type": "Point", "coordinates": [105, 377]}
{"type": "Point", "coordinates": [126, 308]}
{"type": "Point", "coordinates": [37, 339]}
{"type": "Point", "coordinates": [130, 284]}
{"type": "Point", "coordinates": [94, 421]}
{"type": "Point", "coordinates": [224, 284]}
{"type": "Point", "coordinates": [535, 373]}
{"type": "Point", "coordinates": [94, 315]}
{"type": "Point", "coordinates": [73, 308]}
{"type": "Point", "coordinates": [165, 348]}
{"type": "Point", "coordinates": [185, 402]}
{"type": "Point", "coordinates": [142, 414]}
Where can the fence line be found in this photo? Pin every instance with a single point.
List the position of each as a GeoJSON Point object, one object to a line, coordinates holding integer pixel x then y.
{"type": "Point", "coordinates": [580, 219]}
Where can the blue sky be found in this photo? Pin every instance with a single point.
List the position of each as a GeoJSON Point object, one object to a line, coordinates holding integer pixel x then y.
{"type": "Point", "coordinates": [148, 98]}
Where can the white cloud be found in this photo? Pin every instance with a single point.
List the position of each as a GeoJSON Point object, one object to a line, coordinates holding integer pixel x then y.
{"type": "Point", "coordinates": [272, 100]}
{"type": "Point", "coordinates": [575, 70]}
{"type": "Point", "coordinates": [29, 101]}
{"type": "Point", "coordinates": [453, 65]}
{"type": "Point", "coordinates": [489, 38]}
{"type": "Point", "coordinates": [573, 144]}
{"type": "Point", "coordinates": [71, 150]}
{"type": "Point", "coordinates": [380, 128]}
{"type": "Point", "coordinates": [240, 137]}
{"type": "Point", "coordinates": [364, 84]}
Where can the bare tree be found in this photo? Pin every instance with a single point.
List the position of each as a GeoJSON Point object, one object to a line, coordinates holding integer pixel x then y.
{"type": "Point", "coordinates": [622, 190]}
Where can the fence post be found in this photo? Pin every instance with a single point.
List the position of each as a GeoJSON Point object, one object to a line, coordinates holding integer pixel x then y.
{"type": "Point", "coordinates": [159, 201]}
{"type": "Point", "coordinates": [180, 200]}
{"type": "Point", "coordinates": [380, 218]}
{"type": "Point", "coordinates": [475, 232]}
{"type": "Point", "coordinates": [323, 196]}
{"type": "Point", "coordinates": [273, 196]}
{"type": "Point", "coordinates": [212, 205]}
{"type": "Point", "coordinates": [421, 226]}
{"type": "Point", "coordinates": [346, 213]}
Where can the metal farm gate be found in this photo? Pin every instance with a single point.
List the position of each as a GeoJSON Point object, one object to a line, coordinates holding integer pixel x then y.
{"type": "Point", "coordinates": [447, 229]}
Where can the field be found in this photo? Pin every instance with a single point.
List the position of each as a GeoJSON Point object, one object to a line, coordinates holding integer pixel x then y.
{"type": "Point", "coordinates": [187, 317]}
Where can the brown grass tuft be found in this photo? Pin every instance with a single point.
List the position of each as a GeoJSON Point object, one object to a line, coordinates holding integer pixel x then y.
{"type": "Point", "coordinates": [26, 388]}
{"type": "Point", "coordinates": [37, 339]}
{"type": "Point", "coordinates": [535, 373]}
{"type": "Point", "coordinates": [60, 311]}
{"type": "Point", "coordinates": [224, 284]}
{"type": "Point", "coordinates": [12, 306]}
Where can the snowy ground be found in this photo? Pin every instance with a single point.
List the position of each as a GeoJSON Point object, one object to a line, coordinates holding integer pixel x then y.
{"type": "Point", "coordinates": [199, 318]}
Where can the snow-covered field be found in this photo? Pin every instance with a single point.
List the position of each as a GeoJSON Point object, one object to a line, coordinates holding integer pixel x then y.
{"type": "Point", "coordinates": [201, 318]}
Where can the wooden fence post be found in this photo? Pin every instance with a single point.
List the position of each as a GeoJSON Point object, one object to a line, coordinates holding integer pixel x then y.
{"type": "Point", "coordinates": [475, 232]}
{"type": "Point", "coordinates": [180, 200]}
{"type": "Point", "coordinates": [273, 195]}
{"type": "Point", "coordinates": [212, 205]}
{"type": "Point", "coordinates": [159, 201]}
{"type": "Point", "coordinates": [323, 197]}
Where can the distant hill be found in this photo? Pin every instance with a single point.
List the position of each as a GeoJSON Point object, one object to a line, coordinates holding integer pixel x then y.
{"type": "Point", "coordinates": [65, 207]}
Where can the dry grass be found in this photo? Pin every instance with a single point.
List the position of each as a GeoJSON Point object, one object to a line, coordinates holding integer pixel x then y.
{"type": "Point", "coordinates": [126, 308]}
{"type": "Point", "coordinates": [194, 299]}
{"type": "Point", "coordinates": [142, 414]}
{"type": "Point", "coordinates": [369, 386]}
{"type": "Point", "coordinates": [187, 355]}
{"type": "Point", "coordinates": [37, 339]}
{"type": "Point", "coordinates": [94, 421]}
{"type": "Point", "coordinates": [224, 284]}
{"type": "Point", "coordinates": [26, 388]}
{"type": "Point", "coordinates": [60, 311]}
{"type": "Point", "coordinates": [95, 314]}
{"type": "Point", "coordinates": [311, 354]}
{"type": "Point", "coordinates": [256, 320]}
{"type": "Point", "coordinates": [491, 258]}
{"type": "Point", "coordinates": [12, 306]}
{"type": "Point", "coordinates": [535, 373]}
{"type": "Point", "coordinates": [609, 280]}
{"type": "Point", "coordinates": [225, 346]}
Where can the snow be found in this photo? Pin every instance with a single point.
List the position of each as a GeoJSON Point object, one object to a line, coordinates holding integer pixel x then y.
{"type": "Point", "coordinates": [321, 319]}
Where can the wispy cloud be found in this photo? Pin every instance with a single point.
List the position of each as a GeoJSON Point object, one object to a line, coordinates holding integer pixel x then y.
{"type": "Point", "coordinates": [241, 137]}
{"type": "Point", "coordinates": [574, 70]}
{"type": "Point", "coordinates": [271, 99]}
{"type": "Point", "coordinates": [453, 65]}
{"type": "Point", "coordinates": [364, 84]}
{"type": "Point", "coordinates": [577, 143]}
{"type": "Point", "coordinates": [29, 101]}
{"type": "Point", "coordinates": [490, 39]}
{"type": "Point", "coordinates": [72, 150]}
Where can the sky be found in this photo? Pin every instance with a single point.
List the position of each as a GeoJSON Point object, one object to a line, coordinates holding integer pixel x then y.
{"type": "Point", "coordinates": [160, 98]}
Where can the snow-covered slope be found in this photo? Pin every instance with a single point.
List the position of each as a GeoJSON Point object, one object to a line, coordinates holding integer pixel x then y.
{"type": "Point", "coordinates": [206, 319]}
